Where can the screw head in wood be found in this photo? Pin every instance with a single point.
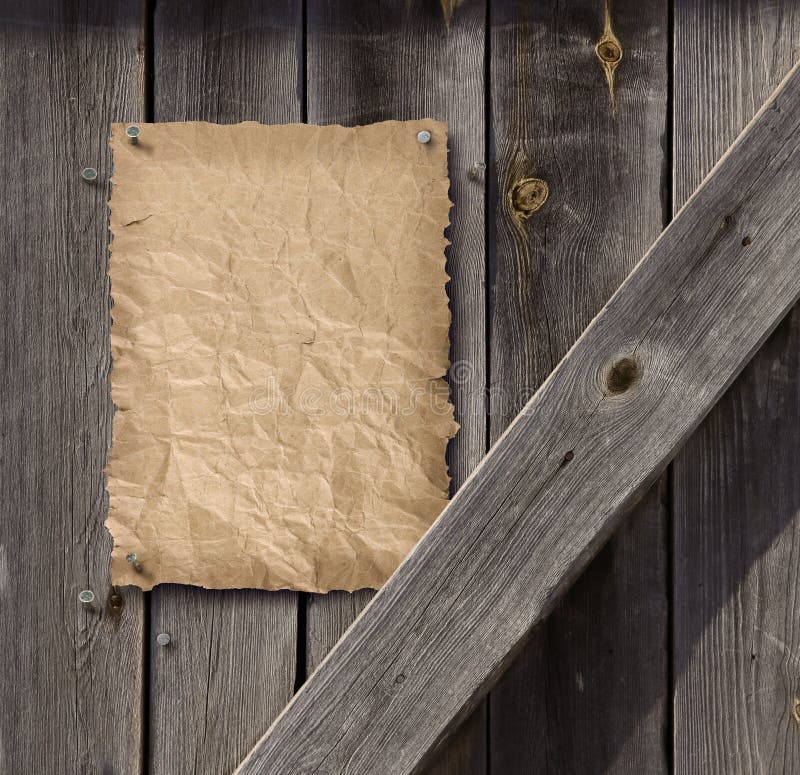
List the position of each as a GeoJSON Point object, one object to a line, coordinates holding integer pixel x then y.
{"type": "Point", "coordinates": [133, 133]}
{"type": "Point", "coordinates": [86, 597]}
{"type": "Point", "coordinates": [89, 173]}
{"type": "Point", "coordinates": [131, 558]}
{"type": "Point", "coordinates": [424, 136]}
{"type": "Point", "coordinates": [163, 639]}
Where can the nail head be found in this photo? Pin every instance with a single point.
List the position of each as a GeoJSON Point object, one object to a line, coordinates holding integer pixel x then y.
{"type": "Point", "coordinates": [131, 558]}
{"type": "Point", "coordinates": [424, 136]}
{"type": "Point", "coordinates": [133, 133]}
{"type": "Point", "coordinates": [86, 597]}
{"type": "Point", "coordinates": [89, 173]}
{"type": "Point", "coordinates": [163, 639]}
{"type": "Point", "coordinates": [477, 169]}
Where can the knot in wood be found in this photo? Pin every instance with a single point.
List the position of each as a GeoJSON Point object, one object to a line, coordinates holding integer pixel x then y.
{"type": "Point", "coordinates": [115, 603]}
{"type": "Point", "coordinates": [609, 51]}
{"type": "Point", "coordinates": [622, 375]}
{"type": "Point", "coordinates": [528, 195]}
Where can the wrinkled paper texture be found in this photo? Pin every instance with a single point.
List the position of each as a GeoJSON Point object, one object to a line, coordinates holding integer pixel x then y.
{"type": "Point", "coordinates": [280, 333]}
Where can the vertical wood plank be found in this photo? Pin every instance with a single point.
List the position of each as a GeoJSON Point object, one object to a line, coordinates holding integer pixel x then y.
{"type": "Point", "coordinates": [736, 485]}
{"type": "Point", "coordinates": [230, 666]}
{"type": "Point", "coordinates": [71, 684]}
{"type": "Point", "coordinates": [589, 694]}
{"type": "Point", "coordinates": [369, 62]}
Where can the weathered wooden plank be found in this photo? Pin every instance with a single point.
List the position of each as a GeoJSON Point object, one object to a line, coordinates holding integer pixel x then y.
{"type": "Point", "coordinates": [736, 486]}
{"type": "Point", "coordinates": [596, 669]}
{"type": "Point", "coordinates": [230, 666]}
{"type": "Point", "coordinates": [71, 683]}
{"type": "Point", "coordinates": [368, 62]}
{"type": "Point", "coordinates": [548, 495]}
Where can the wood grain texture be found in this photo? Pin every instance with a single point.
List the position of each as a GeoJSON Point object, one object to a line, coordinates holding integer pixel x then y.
{"type": "Point", "coordinates": [369, 62]}
{"type": "Point", "coordinates": [548, 495]}
{"type": "Point", "coordinates": [230, 666]}
{"type": "Point", "coordinates": [71, 682]}
{"type": "Point", "coordinates": [736, 485]}
{"type": "Point", "coordinates": [596, 670]}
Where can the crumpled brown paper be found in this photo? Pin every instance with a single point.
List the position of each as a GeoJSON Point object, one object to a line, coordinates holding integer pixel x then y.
{"type": "Point", "coordinates": [280, 333]}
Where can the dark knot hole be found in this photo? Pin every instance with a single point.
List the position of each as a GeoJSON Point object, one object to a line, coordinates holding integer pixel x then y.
{"type": "Point", "coordinates": [622, 375]}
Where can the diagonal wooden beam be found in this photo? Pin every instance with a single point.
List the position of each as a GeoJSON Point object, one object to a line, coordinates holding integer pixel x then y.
{"type": "Point", "coordinates": [597, 433]}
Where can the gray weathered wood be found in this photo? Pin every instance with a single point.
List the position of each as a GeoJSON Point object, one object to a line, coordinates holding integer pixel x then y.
{"type": "Point", "coordinates": [226, 673]}
{"type": "Point", "coordinates": [230, 667]}
{"type": "Point", "coordinates": [596, 670]}
{"type": "Point", "coordinates": [736, 484]}
{"type": "Point", "coordinates": [71, 682]}
{"type": "Point", "coordinates": [584, 449]}
{"type": "Point", "coordinates": [368, 62]}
